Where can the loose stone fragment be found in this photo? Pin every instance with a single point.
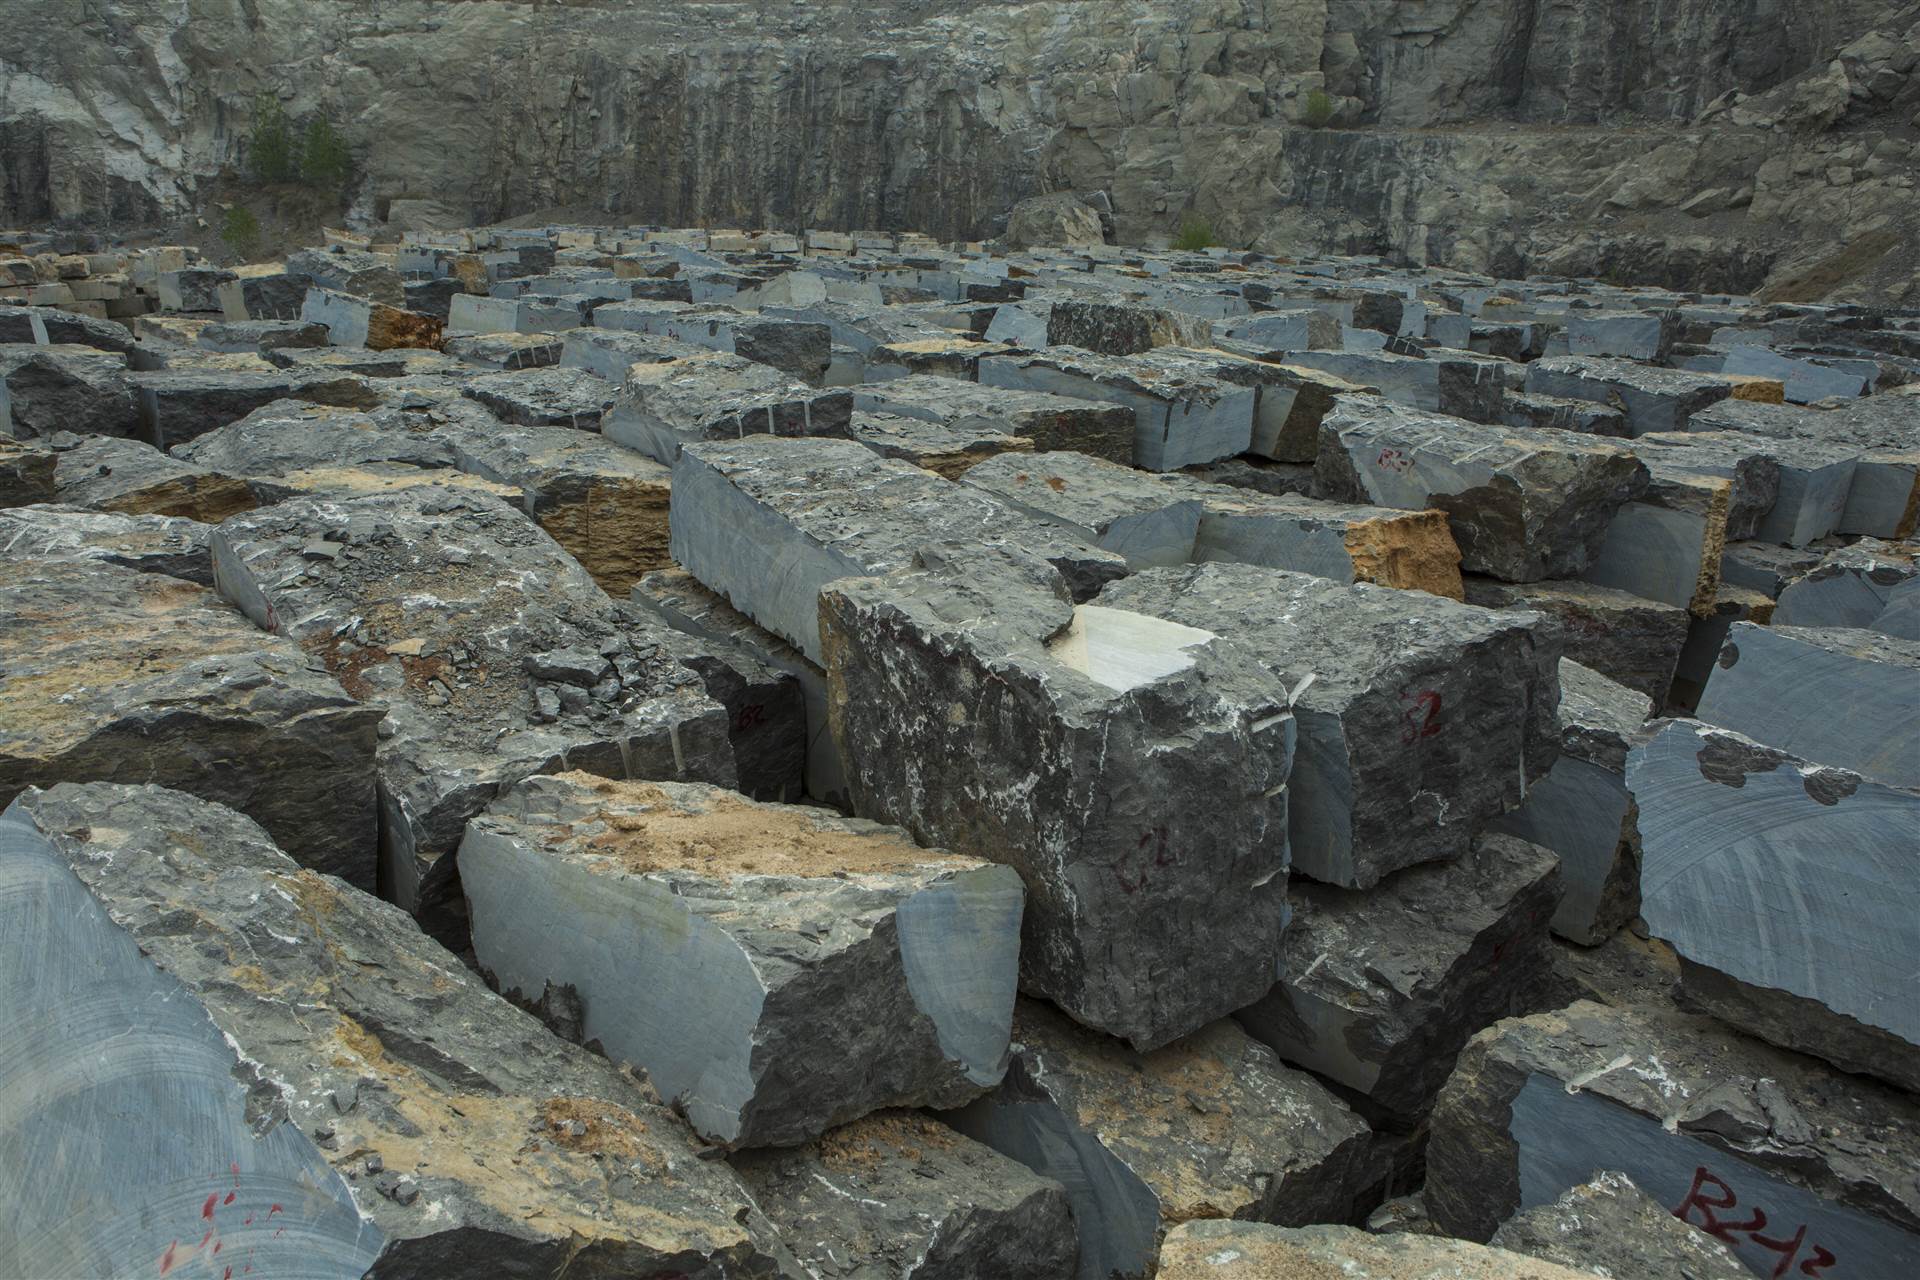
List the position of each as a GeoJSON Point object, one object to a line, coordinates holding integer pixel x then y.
{"type": "Point", "coordinates": [775, 970]}
{"type": "Point", "coordinates": [1130, 769]}
{"type": "Point", "coordinates": [1379, 989]}
{"type": "Point", "coordinates": [1719, 1127]}
{"type": "Point", "coordinates": [107, 673]}
{"type": "Point", "coordinates": [900, 1194]}
{"type": "Point", "coordinates": [1049, 421]}
{"type": "Point", "coordinates": [284, 1069]}
{"type": "Point", "coordinates": [1223, 1250]}
{"type": "Point", "coordinates": [1824, 857]}
{"type": "Point", "coordinates": [1100, 503]}
{"type": "Point", "coordinates": [1419, 718]}
{"type": "Point", "coordinates": [1210, 1126]}
{"type": "Point", "coordinates": [1524, 505]}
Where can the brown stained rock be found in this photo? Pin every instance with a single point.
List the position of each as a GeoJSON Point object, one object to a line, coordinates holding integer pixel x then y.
{"type": "Point", "coordinates": [26, 473]}
{"type": "Point", "coordinates": [1414, 551]}
{"type": "Point", "coordinates": [389, 328]}
{"type": "Point", "coordinates": [1254, 1251]}
{"type": "Point", "coordinates": [617, 529]}
{"type": "Point", "coordinates": [107, 473]}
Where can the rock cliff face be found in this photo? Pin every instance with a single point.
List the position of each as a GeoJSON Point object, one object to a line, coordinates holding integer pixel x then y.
{"type": "Point", "coordinates": [1712, 143]}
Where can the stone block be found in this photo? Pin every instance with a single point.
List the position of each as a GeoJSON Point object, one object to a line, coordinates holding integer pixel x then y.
{"type": "Point", "coordinates": [1582, 810]}
{"type": "Point", "coordinates": [1631, 335]}
{"type": "Point", "coordinates": [1460, 387]}
{"type": "Point", "coordinates": [121, 676]}
{"type": "Point", "coordinates": [1626, 638]}
{"type": "Point", "coordinates": [1666, 545]}
{"type": "Point", "coordinates": [1553, 413]}
{"type": "Point", "coordinates": [1650, 398]}
{"type": "Point", "coordinates": [178, 405]}
{"type": "Point", "coordinates": [283, 1072]}
{"type": "Point", "coordinates": [1379, 989]}
{"type": "Point", "coordinates": [1210, 1126]}
{"type": "Point", "coordinates": [899, 1193]}
{"type": "Point", "coordinates": [1613, 1226]}
{"type": "Point", "coordinates": [1274, 333]}
{"type": "Point", "coordinates": [263, 292]}
{"type": "Point", "coordinates": [1523, 505]}
{"type": "Point", "coordinates": [1869, 584]}
{"type": "Point", "coordinates": [1050, 422]}
{"type": "Point", "coordinates": [791, 970]}
{"type": "Point", "coordinates": [1130, 769]}
{"type": "Point", "coordinates": [359, 322]}
{"type": "Point", "coordinates": [1721, 1128]}
{"type": "Point", "coordinates": [192, 288]}
{"type": "Point", "coordinates": [827, 509]}
{"type": "Point", "coordinates": [661, 407]}
{"type": "Point", "coordinates": [495, 655]}
{"type": "Point", "coordinates": [1100, 503]}
{"type": "Point", "coordinates": [364, 275]}
{"type": "Point", "coordinates": [1788, 889]}
{"type": "Point", "coordinates": [109, 473]}
{"type": "Point", "coordinates": [1223, 1249]}
{"type": "Point", "coordinates": [49, 389]}
{"type": "Point", "coordinates": [259, 336]}
{"type": "Point", "coordinates": [945, 451]}
{"type": "Point", "coordinates": [1123, 328]}
{"type": "Point", "coordinates": [167, 545]}
{"type": "Point", "coordinates": [1181, 415]}
{"type": "Point", "coordinates": [1803, 381]}
{"type": "Point", "coordinates": [26, 472]}
{"type": "Point", "coordinates": [1755, 476]}
{"type": "Point", "coordinates": [556, 397]}
{"type": "Point", "coordinates": [1814, 479]}
{"type": "Point", "coordinates": [1419, 718]}
{"type": "Point", "coordinates": [500, 351]}
{"type": "Point", "coordinates": [952, 356]}
{"type": "Point", "coordinates": [46, 327]}
{"type": "Point", "coordinates": [610, 353]}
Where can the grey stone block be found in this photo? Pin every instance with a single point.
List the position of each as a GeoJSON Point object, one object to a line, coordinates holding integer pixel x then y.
{"type": "Point", "coordinates": [192, 288]}
{"type": "Point", "coordinates": [1666, 545]}
{"type": "Point", "coordinates": [611, 352]}
{"type": "Point", "coordinates": [26, 472]}
{"type": "Point", "coordinates": [824, 509]}
{"type": "Point", "coordinates": [1721, 1128]}
{"type": "Point", "coordinates": [790, 970]}
{"type": "Point", "coordinates": [1755, 476]}
{"type": "Point", "coordinates": [1612, 1226]}
{"type": "Point", "coordinates": [360, 322]}
{"type": "Point", "coordinates": [662, 407]}
{"type": "Point", "coordinates": [1815, 478]}
{"type": "Point", "coordinates": [1473, 389]}
{"type": "Point", "coordinates": [1379, 989]}
{"type": "Point", "coordinates": [152, 544]}
{"type": "Point", "coordinates": [570, 398]}
{"type": "Point", "coordinates": [1818, 862]}
{"type": "Point", "coordinates": [1132, 770]}
{"type": "Point", "coordinates": [1868, 584]}
{"type": "Point", "coordinates": [1212, 1125]}
{"type": "Point", "coordinates": [900, 1194]}
{"type": "Point", "coordinates": [284, 1070]}
{"type": "Point", "coordinates": [1523, 505]}
{"type": "Point", "coordinates": [1539, 412]}
{"type": "Point", "coordinates": [1100, 503]}
{"type": "Point", "coordinates": [1419, 718]}
{"type": "Point", "coordinates": [1050, 422]}
{"type": "Point", "coordinates": [1274, 333]}
{"type": "Point", "coordinates": [1181, 415]}
{"type": "Point", "coordinates": [264, 292]}
{"type": "Point", "coordinates": [365, 275]}
{"type": "Point", "coordinates": [1651, 398]}
{"type": "Point", "coordinates": [1625, 638]}
{"type": "Point", "coordinates": [1222, 1249]}
{"type": "Point", "coordinates": [49, 389]}
{"type": "Point", "coordinates": [1122, 328]}
{"type": "Point", "coordinates": [178, 405]}
{"type": "Point", "coordinates": [262, 335]}
{"type": "Point", "coordinates": [116, 675]}
{"type": "Point", "coordinates": [946, 451]}
{"type": "Point", "coordinates": [110, 473]}
{"type": "Point", "coordinates": [501, 351]}
{"type": "Point", "coordinates": [1632, 335]}
{"type": "Point", "coordinates": [1805, 380]}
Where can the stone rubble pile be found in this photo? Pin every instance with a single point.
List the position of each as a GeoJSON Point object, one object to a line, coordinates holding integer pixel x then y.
{"type": "Point", "coordinates": [628, 751]}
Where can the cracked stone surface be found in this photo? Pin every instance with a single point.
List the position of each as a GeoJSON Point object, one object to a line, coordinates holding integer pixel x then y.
{"type": "Point", "coordinates": [1613, 1226]}
{"type": "Point", "coordinates": [1225, 1250]}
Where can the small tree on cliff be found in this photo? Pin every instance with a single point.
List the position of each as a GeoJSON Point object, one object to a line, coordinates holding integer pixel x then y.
{"type": "Point", "coordinates": [325, 161]}
{"type": "Point", "coordinates": [273, 151]}
{"type": "Point", "coordinates": [240, 231]}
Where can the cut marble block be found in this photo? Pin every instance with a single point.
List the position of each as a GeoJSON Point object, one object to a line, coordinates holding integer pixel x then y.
{"type": "Point", "coordinates": [1870, 584]}
{"type": "Point", "coordinates": [503, 351]}
{"type": "Point", "coordinates": [767, 523]}
{"type": "Point", "coordinates": [1523, 505]}
{"type": "Point", "coordinates": [1666, 544]}
{"type": "Point", "coordinates": [555, 397]}
{"type": "Point", "coordinates": [228, 1060]}
{"type": "Point", "coordinates": [365, 275]}
{"type": "Point", "coordinates": [1123, 328]}
{"type": "Point", "coordinates": [1181, 415]}
{"type": "Point", "coordinates": [945, 451]}
{"type": "Point", "coordinates": [1224, 1249]}
{"type": "Point", "coordinates": [1553, 413]}
{"type": "Point", "coordinates": [1706, 636]}
{"type": "Point", "coordinates": [1835, 695]}
{"type": "Point", "coordinates": [261, 336]}
{"type": "Point", "coordinates": [1582, 809]}
{"type": "Point", "coordinates": [111, 473]}
{"type": "Point", "coordinates": [1461, 387]}
{"type": "Point", "coordinates": [1101, 503]}
{"type": "Point", "coordinates": [775, 970]}
{"type": "Point", "coordinates": [949, 356]}
{"type": "Point", "coordinates": [1815, 478]}
{"type": "Point", "coordinates": [1802, 381]}
{"type": "Point", "coordinates": [361, 322]}
{"type": "Point", "coordinates": [1413, 550]}
{"type": "Point", "coordinates": [167, 545]}
{"type": "Point", "coordinates": [1884, 501]}
{"type": "Point", "coordinates": [1132, 770]}
{"type": "Point", "coordinates": [1380, 988]}
{"type": "Point", "coordinates": [495, 655]}
{"type": "Point", "coordinates": [1652, 398]}
{"type": "Point", "coordinates": [1419, 718]}
{"type": "Point", "coordinates": [661, 407]}
{"type": "Point", "coordinates": [1755, 477]}
{"type": "Point", "coordinates": [610, 353]}
{"type": "Point", "coordinates": [289, 447]}
{"type": "Point", "coordinates": [1293, 400]}
{"type": "Point", "coordinates": [1048, 421]}
{"type": "Point", "coordinates": [1613, 1226]}
{"type": "Point", "coordinates": [1274, 333]}
{"type": "Point", "coordinates": [1632, 335]}
{"type": "Point", "coordinates": [45, 390]}
{"type": "Point", "coordinates": [1790, 890]}
{"type": "Point", "coordinates": [178, 405]}
{"type": "Point", "coordinates": [1211, 1125]}
{"type": "Point", "coordinates": [1789, 1162]}
{"type": "Point", "coordinates": [900, 1194]}
{"type": "Point", "coordinates": [110, 674]}
{"type": "Point", "coordinates": [763, 727]}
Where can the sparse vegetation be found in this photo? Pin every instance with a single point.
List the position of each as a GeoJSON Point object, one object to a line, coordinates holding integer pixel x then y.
{"type": "Point", "coordinates": [1319, 110]}
{"type": "Point", "coordinates": [1196, 233]}
{"type": "Point", "coordinates": [240, 231]}
{"type": "Point", "coordinates": [279, 152]}
{"type": "Point", "coordinates": [325, 161]}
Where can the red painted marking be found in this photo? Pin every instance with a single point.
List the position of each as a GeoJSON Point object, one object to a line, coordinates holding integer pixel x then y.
{"type": "Point", "coordinates": [227, 1274]}
{"type": "Point", "coordinates": [230, 1197]}
{"type": "Point", "coordinates": [750, 716]}
{"type": "Point", "coordinates": [203, 1240]}
{"type": "Point", "coordinates": [1709, 1206]}
{"type": "Point", "coordinates": [1422, 716]}
{"type": "Point", "coordinates": [275, 1209]}
{"type": "Point", "coordinates": [217, 1245]}
{"type": "Point", "coordinates": [166, 1259]}
{"type": "Point", "coordinates": [278, 1232]}
{"type": "Point", "coordinates": [206, 1210]}
{"type": "Point", "coordinates": [248, 1221]}
{"type": "Point", "coordinates": [1819, 1262]}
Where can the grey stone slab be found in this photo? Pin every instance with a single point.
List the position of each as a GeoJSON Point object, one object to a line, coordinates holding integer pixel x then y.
{"type": "Point", "coordinates": [1122, 328]}
{"type": "Point", "coordinates": [1182, 416]}
{"type": "Point", "coordinates": [1613, 1226]}
{"type": "Point", "coordinates": [1651, 398]}
{"type": "Point", "coordinates": [1788, 889]}
{"type": "Point", "coordinates": [776, 970]}
{"type": "Point", "coordinates": [1540, 412]}
{"type": "Point", "coordinates": [1706, 635]}
{"type": "Point", "coordinates": [1379, 989]}
{"type": "Point", "coordinates": [48, 389]}
{"type": "Point", "coordinates": [662, 407]}
{"type": "Point", "coordinates": [263, 292]}
{"type": "Point", "coordinates": [191, 288]}
{"type": "Point", "coordinates": [572, 398]}
{"type": "Point", "coordinates": [1419, 718]}
{"type": "Point", "coordinates": [1719, 1127]}
{"type": "Point", "coordinates": [494, 653]}
{"type": "Point", "coordinates": [1631, 335]}
{"type": "Point", "coordinates": [1523, 505]}
{"type": "Point", "coordinates": [767, 523]}
{"type": "Point", "coordinates": [1273, 333]}
{"type": "Point", "coordinates": [1815, 478]}
{"type": "Point", "coordinates": [1582, 810]}
{"type": "Point", "coordinates": [1211, 1125]}
{"type": "Point", "coordinates": [283, 1073]}
{"type": "Point", "coordinates": [353, 321]}
{"type": "Point", "coordinates": [611, 352]}
{"type": "Point", "coordinates": [1050, 422]}
{"type": "Point", "coordinates": [1766, 567]}
{"type": "Point", "coordinates": [178, 405]}
{"type": "Point", "coordinates": [1130, 769]}
{"type": "Point", "coordinates": [48, 326]}
{"type": "Point", "coordinates": [1838, 696]}
{"type": "Point", "coordinates": [261, 335]}
{"type": "Point", "coordinates": [111, 473]}
{"type": "Point", "coordinates": [1805, 380]}
{"type": "Point", "coordinates": [116, 675]}
{"type": "Point", "coordinates": [1101, 503]}
{"type": "Point", "coordinates": [901, 1194]}
{"type": "Point", "coordinates": [943, 450]}
{"type": "Point", "coordinates": [152, 544]}
{"type": "Point", "coordinates": [1755, 475]}
{"type": "Point", "coordinates": [1223, 1249]}
{"type": "Point", "coordinates": [1473, 389]}
{"type": "Point", "coordinates": [1666, 545]}
{"type": "Point", "coordinates": [1860, 585]}
{"type": "Point", "coordinates": [500, 351]}
{"type": "Point", "coordinates": [366, 275]}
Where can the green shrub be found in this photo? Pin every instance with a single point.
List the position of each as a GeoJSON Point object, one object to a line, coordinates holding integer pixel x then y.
{"type": "Point", "coordinates": [273, 153]}
{"type": "Point", "coordinates": [240, 231]}
{"type": "Point", "coordinates": [1319, 112]}
{"type": "Point", "coordinates": [325, 161]}
{"type": "Point", "coordinates": [1196, 233]}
